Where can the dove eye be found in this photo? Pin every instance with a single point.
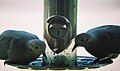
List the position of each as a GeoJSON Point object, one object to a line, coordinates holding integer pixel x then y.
{"type": "Point", "coordinates": [31, 49]}
{"type": "Point", "coordinates": [82, 40]}
{"type": "Point", "coordinates": [36, 47]}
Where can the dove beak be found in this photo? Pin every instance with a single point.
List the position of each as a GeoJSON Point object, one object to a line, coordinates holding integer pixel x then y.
{"type": "Point", "coordinates": [44, 55]}
{"type": "Point", "coordinates": [55, 49]}
{"type": "Point", "coordinates": [74, 47]}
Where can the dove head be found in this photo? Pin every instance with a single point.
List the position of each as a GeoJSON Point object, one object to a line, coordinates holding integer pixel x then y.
{"type": "Point", "coordinates": [83, 40]}
{"type": "Point", "coordinates": [36, 46]}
